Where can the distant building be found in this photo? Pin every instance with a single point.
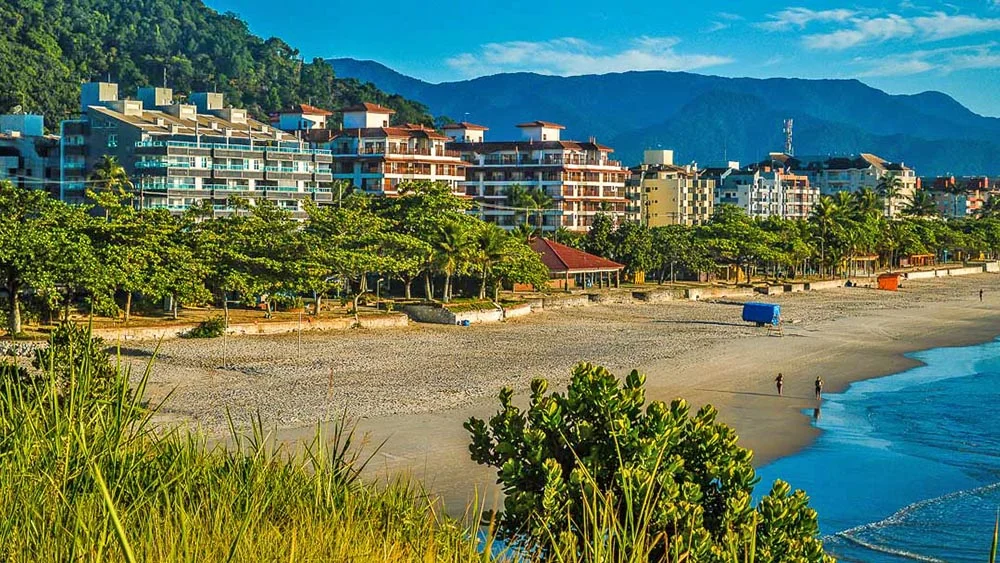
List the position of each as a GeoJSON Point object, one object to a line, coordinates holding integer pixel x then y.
{"type": "Point", "coordinates": [28, 157]}
{"type": "Point", "coordinates": [179, 155]}
{"type": "Point", "coordinates": [670, 194]}
{"type": "Point", "coordinates": [579, 177]}
{"type": "Point", "coordinates": [959, 197]}
{"type": "Point", "coordinates": [766, 189]}
{"type": "Point", "coordinates": [377, 157]}
{"type": "Point", "coordinates": [832, 174]}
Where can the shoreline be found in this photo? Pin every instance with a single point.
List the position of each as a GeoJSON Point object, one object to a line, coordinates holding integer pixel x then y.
{"type": "Point", "coordinates": [443, 375]}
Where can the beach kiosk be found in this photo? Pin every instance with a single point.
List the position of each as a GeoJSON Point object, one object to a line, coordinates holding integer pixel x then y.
{"type": "Point", "coordinates": [762, 313]}
{"type": "Point", "coordinates": [889, 281]}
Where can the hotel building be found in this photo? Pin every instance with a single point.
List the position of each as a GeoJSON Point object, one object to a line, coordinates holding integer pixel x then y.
{"type": "Point", "coordinates": [670, 194]}
{"type": "Point", "coordinates": [183, 154]}
{"type": "Point", "coordinates": [579, 177]}
{"type": "Point", "coordinates": [376, 157]}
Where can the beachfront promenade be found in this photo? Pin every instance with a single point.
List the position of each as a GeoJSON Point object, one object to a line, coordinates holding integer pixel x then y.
{"type": "Point", "coordinates": [416, 385]}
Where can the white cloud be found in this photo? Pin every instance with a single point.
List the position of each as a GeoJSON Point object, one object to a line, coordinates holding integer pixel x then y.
{"type": "Point", "coordinates": [801, 17]}
{"type": "Point", "coordinates": [852, 29]}
{"type": "Point", "coordinates": [572, 56]}
{"type": "Point", "coordinates": [943, 61]}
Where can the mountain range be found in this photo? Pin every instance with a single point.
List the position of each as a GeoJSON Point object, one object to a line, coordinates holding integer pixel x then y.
{"type": "Point", "coordinates": [712, 119]}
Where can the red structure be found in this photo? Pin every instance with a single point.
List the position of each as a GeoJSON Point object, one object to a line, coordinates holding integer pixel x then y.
{"type": "Point", "coordinates": [889, 282]}
{"type": "Point", "coordinates": [569, 267]}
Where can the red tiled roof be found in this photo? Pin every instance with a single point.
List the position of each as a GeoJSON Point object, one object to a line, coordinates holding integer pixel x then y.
{"type": "Point", "coordinates": [306, 109]}
{"type": "Point", "coordinates": [560, 259]}
{"type": "Point", "coordinates": [494, 146]}
{"type": "Point", "coordinates": [541, 124]}
{"type": "Point", "coordinates": [382, 132]}
{"type": "Point", "coordinates": [465, 125]}
{"type": "Point", "coordinates": [367, 106]}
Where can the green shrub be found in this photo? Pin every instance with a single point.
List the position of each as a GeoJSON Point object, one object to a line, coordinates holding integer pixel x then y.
{"type": "Point", "coordinates": [213, 327]}
{"type": "Point", "coordinates": [73, 353]}
{"type": "Point", "coordinates": [592, 475]}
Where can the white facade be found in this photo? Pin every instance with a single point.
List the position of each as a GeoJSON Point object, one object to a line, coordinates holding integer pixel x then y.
{"type": "Point", "coordinates": [365, 116]}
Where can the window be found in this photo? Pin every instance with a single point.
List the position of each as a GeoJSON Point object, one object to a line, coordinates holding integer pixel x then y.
{"type": "Point", "coordinates": [113, 140]}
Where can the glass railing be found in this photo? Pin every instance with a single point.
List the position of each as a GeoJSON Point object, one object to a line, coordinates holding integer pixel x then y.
{"type": "Point", "coordinates": [236, 147]}
{"type": "Point", "coordinates": [235, 167]}
{"type": "Point", "coordinates": [288, 169]}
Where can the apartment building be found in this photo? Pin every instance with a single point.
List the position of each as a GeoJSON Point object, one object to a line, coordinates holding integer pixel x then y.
{"type": "Point", "coordinates": [762, 190]}
{"type": "Point", "coordinates": [671, 194]}
{"type": "Point", "coordinates": [376, 157]}
{"type": "Point", "coordinates": [832, 174]}
{"type": "Point", "coordinates": [28, 157]}
{"type": "Point", "coordinates": [182, 154]}
{"type": "Point", "coordinates": [580, 177]}
{"type": "Point", "coordinates": [959, 197]}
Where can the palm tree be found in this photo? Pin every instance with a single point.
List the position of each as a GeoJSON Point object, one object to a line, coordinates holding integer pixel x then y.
{"type": "Point", "coordinates": [519, 198]}
{"type": "Point", "coordinates": [921, 204]}
{"type": "Point", "coordinates": [890, 187]}
{"type": "Point", "coordinates": [451, 247]}
{"type": "Point", "coordinates": [540, 201]}
{"type": "Point", "coordinates": [867, 203]}
{"type": "Point", "coordinates": [109, 177]}
{"type": "Point", "coordinates": [490, 243]}
{"type": "Point", "coordinates": [825, 215]}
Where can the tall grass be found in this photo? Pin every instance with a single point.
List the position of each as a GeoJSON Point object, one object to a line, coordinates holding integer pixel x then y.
{"type": "Point", "coordinates": [85, 476]}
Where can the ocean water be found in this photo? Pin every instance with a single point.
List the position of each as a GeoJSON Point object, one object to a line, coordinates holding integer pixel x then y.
{"type": "Point", "coordinates": [907, 467]}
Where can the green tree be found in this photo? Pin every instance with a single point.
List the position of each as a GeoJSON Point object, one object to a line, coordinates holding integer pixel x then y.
{"type": "Point", "coordinates": [680, 478]}
{"type": "Point", "coordinates": [452, 248]}
{"type": "Point", "coordinates": [921, 204]}
{"type": "Point", "coordinates": [890, 187]}
{"type": "Point", "coordinates": [599, 238]}
{"type": "Point", "coordinates": [42, 246]}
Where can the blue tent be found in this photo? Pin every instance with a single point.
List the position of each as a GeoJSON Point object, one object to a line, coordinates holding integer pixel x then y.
{"type": "Point", "coordinates": [762, 313]}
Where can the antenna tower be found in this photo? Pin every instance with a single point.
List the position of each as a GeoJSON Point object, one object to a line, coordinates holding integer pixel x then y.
{"type": "Point", "coordinates": [789, 150]}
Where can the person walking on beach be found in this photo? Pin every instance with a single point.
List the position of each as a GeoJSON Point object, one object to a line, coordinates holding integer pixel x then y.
{"type": "Point", "coordinates": [819, 388]}
{"type": "Point", "coordinates": [980, 296]}
{"type": "Point", "coordinates": [779, 382]}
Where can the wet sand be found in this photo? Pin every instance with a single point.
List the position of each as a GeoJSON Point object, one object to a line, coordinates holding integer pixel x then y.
{"type": "Point", "coordinates": [415, 387]}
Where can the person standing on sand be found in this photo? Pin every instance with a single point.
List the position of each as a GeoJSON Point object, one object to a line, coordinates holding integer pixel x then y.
{"type": "Point", "coordinates": [819, 388]}
{"type": "Point", "coordinates": [980, 296]}
{"type": "Point", "coordinates": [779, 382]}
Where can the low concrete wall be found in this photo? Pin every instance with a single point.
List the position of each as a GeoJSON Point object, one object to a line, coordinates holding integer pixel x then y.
{"type": "Point", "coordinates": [611, 297]}
{"type": "Point", "coordinates": [922, 275]}
{"type": "Point", "coordinates": [992, 267]}
{"type": "Point", "coordinates": [699, 293]}
{"type": "Point", "coordinates": [309, 324]}
{"type": "Point", "coordinates": [965, 271]}
{"type": "Point", "coordinates": [795, 287]}
{"type": "Point", "coordinates": [515, 311]}
{"type": "Point", "coordinates": [824, 284]}
{"type": "Point", "coordinates": [659, 295]}
{"type": "Point", "coordinates": [770, 289]}
{"type": "Point", "coordinates": [564, 302]}
{"type": "Point", "coordinates": [442, 316]}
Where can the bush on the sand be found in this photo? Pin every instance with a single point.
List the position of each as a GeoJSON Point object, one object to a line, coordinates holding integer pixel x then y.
{"type": "Point", "coordinates": [593, 472]}
{"type": "Point", "coordinates": [213, 327]}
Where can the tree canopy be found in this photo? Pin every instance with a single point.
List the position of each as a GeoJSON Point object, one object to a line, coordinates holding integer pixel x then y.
{"type": "Point", "coordinates": [48, 48]}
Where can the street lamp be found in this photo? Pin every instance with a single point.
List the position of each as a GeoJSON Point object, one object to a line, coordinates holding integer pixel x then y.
{"type": "Point", "coordinates": [378, 286]}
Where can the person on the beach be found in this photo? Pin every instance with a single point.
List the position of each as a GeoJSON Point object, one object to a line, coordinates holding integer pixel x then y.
{"type": "Point", "coordinates": [819, 387]}
{"type": "Point", "coordinates": [779, 382]}
{"type": "Point", "coordinates": [980, 296]}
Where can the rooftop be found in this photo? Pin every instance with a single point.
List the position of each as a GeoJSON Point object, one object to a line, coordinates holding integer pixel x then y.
{"type": "Point", "coordinates": [367, 106]}
{"type": "Point", "coordinates": [465, 125]}
{"type": "Point", "coordinates": [157, 122]}
{"type": "Point", "coordinates": [548, 124]}
{"type": "Point", "coordinates": [562, 259]}
{"type": "Point", "coordinates": [305, 109]}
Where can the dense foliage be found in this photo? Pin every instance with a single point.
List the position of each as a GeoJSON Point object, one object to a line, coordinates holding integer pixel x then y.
{"type": "Point", "coordinates": [49, 47]}
{"type": "Point", "coordinates": [678, 482]}
{"type": "Point", "coordinates": [841, 229]}
{"type": "Point", "coordinates": [56, 253]}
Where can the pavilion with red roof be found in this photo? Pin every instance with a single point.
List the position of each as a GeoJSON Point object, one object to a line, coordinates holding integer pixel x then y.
{"type": "Point", "coordinates": [569, 267]}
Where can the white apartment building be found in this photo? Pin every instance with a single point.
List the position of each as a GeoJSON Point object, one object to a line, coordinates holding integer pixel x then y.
{"type": "Point", "coordinates": [580, 177]}
{"type": "Point", "coordinates": [832, 174]}
{"type": "Point", "coordinates": [764, 190]}
{"type": "Point", "coordinates": [182, 154]}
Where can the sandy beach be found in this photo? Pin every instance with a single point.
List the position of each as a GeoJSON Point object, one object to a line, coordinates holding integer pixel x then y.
{"type": "Point", "coordinates": [414, 387]}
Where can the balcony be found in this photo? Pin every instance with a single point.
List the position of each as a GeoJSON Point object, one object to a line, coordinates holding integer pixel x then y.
{"type": "Point", "coordinates": [236, 172]}
{"type": "Point", "coordinates": [75, 150]}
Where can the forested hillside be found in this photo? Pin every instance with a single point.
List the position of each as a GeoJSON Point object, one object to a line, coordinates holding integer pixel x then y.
{"type": "Point", "coordinates": [48, 47]}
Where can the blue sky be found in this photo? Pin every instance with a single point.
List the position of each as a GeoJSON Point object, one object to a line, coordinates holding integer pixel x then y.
{"type": "Point", "coordinates": [905, 46]}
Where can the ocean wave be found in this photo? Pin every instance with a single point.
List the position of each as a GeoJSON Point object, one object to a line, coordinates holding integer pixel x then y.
{"type": "Point", "coordinates": [899, 518]}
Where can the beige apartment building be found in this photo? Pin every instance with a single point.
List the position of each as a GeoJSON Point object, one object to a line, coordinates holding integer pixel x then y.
{"type": "Point", "coordinates": [670, 194]}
